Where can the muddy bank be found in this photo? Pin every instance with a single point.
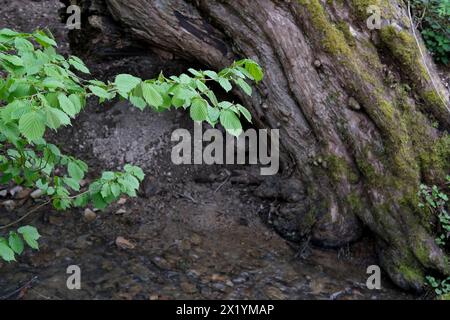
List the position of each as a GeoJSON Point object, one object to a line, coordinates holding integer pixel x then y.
{"type": "Point", "coordinates": [188, 237]}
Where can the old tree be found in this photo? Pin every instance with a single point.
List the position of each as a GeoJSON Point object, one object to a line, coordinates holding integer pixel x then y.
{"type": "Point", "coordinates": [363, 117]}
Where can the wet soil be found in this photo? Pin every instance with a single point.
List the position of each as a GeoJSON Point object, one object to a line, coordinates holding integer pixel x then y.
{"type": "Point", "coordinates": [189, 238]}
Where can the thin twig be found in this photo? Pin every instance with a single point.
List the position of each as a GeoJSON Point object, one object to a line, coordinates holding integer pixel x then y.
{"type": "Point", "coordinates": [26, 285]}
{"type": "Point", "coordinates": [25, 215]}
{"type": "Point", "coordinates": [222, 184]}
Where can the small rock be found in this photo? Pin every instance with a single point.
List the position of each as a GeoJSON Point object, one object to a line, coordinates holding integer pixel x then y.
{"type": "Point", "coordinates": [121, 211]}
{"type": "Point", "coordinates": [317, 63]}
{"type": "Point", "coordinates": [15, 190]}
{"type": "Point", "coordinates": [9, 205]}
{"type": "Point", "coordinates": [89, 215]}
{"type": "Point", "coordinates": [353, 104]}
{"type": "Point", "coordinates": [274, 293]}
{"type": "Point", "coordinates": [122, 201]}
{"type": "Point", "coordinates": [36, 194]}
{"type": "Point", "coordinates": [123, 243]}
{"type": "Point", "coordinates": [218, 277]}
{"type": "Point", "coordinates": [24, 193]}
{"type": "Point", "coordinates": [188, 287]}
{"type": "Point", "coordinates": [3, 193]}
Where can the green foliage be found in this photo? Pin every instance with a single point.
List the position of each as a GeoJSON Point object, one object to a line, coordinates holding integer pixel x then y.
{"type": "Point", "coordinates": [433, 21]}
{"type": "Point", "coordinates": [40, 90]}
{"type": "Point", "coordinates": [440, 287]}
{"type": "Point", "coordinates": [436, 202]}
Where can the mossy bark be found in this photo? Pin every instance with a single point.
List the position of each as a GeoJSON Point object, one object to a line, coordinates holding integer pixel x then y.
{"type": "Point", "coordinates": [362, 161]}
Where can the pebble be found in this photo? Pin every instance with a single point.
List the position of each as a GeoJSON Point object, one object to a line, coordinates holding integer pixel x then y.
{"type": "Point", "coordinates": [274, 293]}
{"type": "Point", "coordinates": [121, 211]}
{"type": "Point", "coordinates": [89, 215]}
{"type": "Point", "coordinates": [123, 243]}
{"type": "Point", "coordinates": [122, 201]}
{"type": "Point", "coordinates": [22, 194]}
{"type": "Point", "coordinates": [9, 205]}
{"type": "Point", "coordinates": [15, 190]}
{"type": "Point", "coordinates": [188, 287]}
{"type": "Point", "coordinates": [36, 194]}
{"type": "Point", "coordinates": [3, 193]}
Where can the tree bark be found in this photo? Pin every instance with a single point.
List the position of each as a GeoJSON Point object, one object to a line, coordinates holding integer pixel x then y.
{"type": "Point", "coordinates": [360, 119]}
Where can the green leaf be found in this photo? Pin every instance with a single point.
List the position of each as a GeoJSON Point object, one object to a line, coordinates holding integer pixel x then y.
{"type": "Point", "coordinates": [230, 122]}
{"type": "Point", "coordinates": [52, 83]}
{"type": "Point", "coordinates": [151, 96]}
{"type": "Point", "coordinates": [15, 242]}
{"type": "Point", "coordinates": [30, 235]}
{"type": "Point", "coordinates": [5, 251]}
{"type": "Point", "coordinates": [23, 44]}
{"type": "Point", "coordinates": [76, 101]}
{"type": "Point", "coordinates": [255, 70]}
{"type": "Point", "coordinates": [72, 183]}
{"type": "Point", "coordinates": [125, 83]}
{"type": "Point", "coordinates": [67, 105]}
{"type": "Point", "coordinates": [32, 126]}
{"type": "Point", "coordinates": [75, 171]}
{"type": "Point", "coordinates": [199, 109]}
{"type": "Point", "coordinates": [99, 92]}
{"type": "Point", "coordinates": [78, 64]}
{"type": "Point", "coordinates": [43, 39]}
{"type": "Point", "coordinates": [138, 102]}
{"type": "Point", "coordinates": [225, 84]}
{"type": "Point", "coordinates": [244, 86]}
{"type": "Point", "coordinates": [14, 60]}
{"type": "Point", "coordinates": [115, 189]}
{"type": "Point", "coordinates": [56, 118]}
{"type": "Point", "coordinates": [108, 175]}
{"type": "Point", "coordinates": [247, 115]}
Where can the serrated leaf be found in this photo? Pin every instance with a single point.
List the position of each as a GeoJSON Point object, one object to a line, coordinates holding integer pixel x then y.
{"type": "Point", "coordinates": [72, 183]}
{"type": "Point", "coordinates": [14, 60]}
{"type": "Point", "coordinates": [244, 111]}
{"type": "Point", "coordinates": [52, 83]}
{"type": "Point", "coordinates": [255, 70]}
{"type": "Point", "coordinates": [99, 92]}
{"type": "Point", "coordinates": [67, 105]}
{"type": "Point", "coordinates": [23, 44]}
{"type": "Point", "coordinates": [75, 171]}
{"type": "Point", "coordinates": [78, 64]}
{"type": "Point", "coordinates": [126, 82]}
{"type": "Point", "coordinates": [6, 252]}
{"type": "Point", "coordinates": [230, 122]}
{"type": "Point", "coordinates": [30, 235]}
{"type": "Point", "coordinates": [43, 39]}
{"type": "Point", "coordinates": [56, 118]}
{"type": "Point", "coordinates": [151, 96]}
{"type": "Point", "coordinates": [32, 126]}
{"type": "Point", "coordinates": [225, 84]}
{"type": "Point", "coordinates": [199, 109]}
{"type": "Point", "coordinates": [15, 242]}
{"type": "Point", "coordinates": [76, 101]}
{"type": "Point", "coordinates": [138, 102]}
{"type": "Point", "coordinates": [244, 86]}
{"type": "Point", "coordinates": [115, 189]}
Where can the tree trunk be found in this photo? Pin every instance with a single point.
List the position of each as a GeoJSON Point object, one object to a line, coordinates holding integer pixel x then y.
{"type": "Point", "coordinates": [360, 118]}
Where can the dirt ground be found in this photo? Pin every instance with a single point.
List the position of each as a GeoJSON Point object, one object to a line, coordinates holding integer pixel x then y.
{"type": "Point", "coordinates": [193, 237]}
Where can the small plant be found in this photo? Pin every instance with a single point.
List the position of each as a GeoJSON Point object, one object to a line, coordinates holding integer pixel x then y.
{"type": "Point", "coordinates": [441, 287]}
{"type": "Point", "coordinates": [41, 90]}
{"type": "Point", "coordinates": [436, 201]}
{"type": "Point", "coordinates": [433, 20]}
